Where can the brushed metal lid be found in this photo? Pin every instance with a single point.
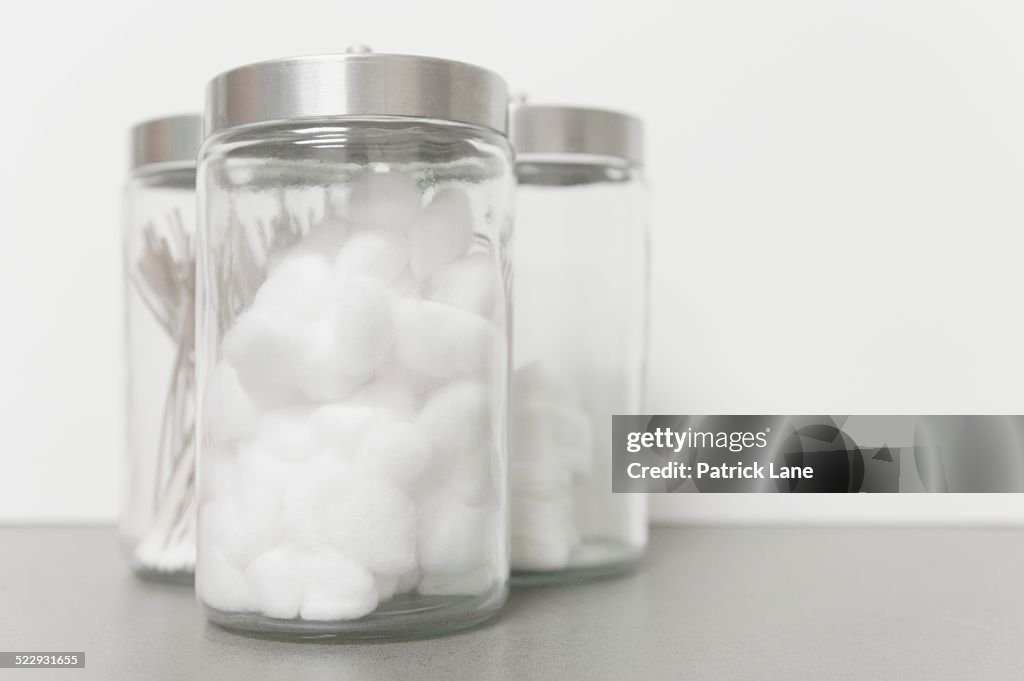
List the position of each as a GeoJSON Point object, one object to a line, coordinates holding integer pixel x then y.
{"type": "Point", "coordinates": [543, 130]}
{"type": "Point", "coordinates": [357, 83]}
{"type": "Point", "coordinates": [171, 139]}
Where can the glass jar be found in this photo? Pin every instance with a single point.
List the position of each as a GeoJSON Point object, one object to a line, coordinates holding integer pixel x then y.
{"type": "Point", "coordinates": [581, 296]}
{"type": "Point", "coordinates": [158, 511]}
{"type": "Point", "coordinates": [352, 347]}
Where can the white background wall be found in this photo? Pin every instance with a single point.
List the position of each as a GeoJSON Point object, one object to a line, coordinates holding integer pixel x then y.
{"type": "Point", "coordinates": [838, 224]}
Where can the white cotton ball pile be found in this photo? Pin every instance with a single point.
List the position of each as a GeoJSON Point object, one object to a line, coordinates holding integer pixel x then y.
{"type": "Point", "coordinates": [229, 414]}
{"type": "Point", "coordinates": [240, 527]}
{"type": "Point", "coordinates": [362, 330]}
{"type": "Point", "coordinates": [377, 255]}
{"type": "Point", "coordinates": [470, 283]}
{"type": "Point", "coordinates": [474, 479]}
{"type": "Point", "coordinates": [297, 289]}
{"type": "Point", "coordinates": [220, 584]}
{"type": "Point", "coordinates": [384, 200]}
{"type": "Point", "coordinates": [287, 435]}
{"type": "Point", "coordinates": [543, 532]}
{"type": "Point", "coordinates": [276, 585]}
{"type": "Point", "coordinates": [369, 519]}
{"type": "Point", "coordinates": [539, 478]}
{"type": "Point", "coordinates": [457, 546]}
{"type": "Point", "coordinates": [452, 536]}
{"type": "Point", "coordinates": [265, 351]}
{"type": "Point", "coordinates": [391, 393]}
{"type": "Point", "coordinates": [338, 588]}
{"type": "Point", "coordinates": [352, 426]}
{"type": "Point", "coordinates": [399, 452]}
{"type": "Point", "coordinates": [277, 337]}
{"type": "Point", "coordinates": [443, 341]}
{"type": "Point", "coordinates": [325, 240]}
{"type": "Point", "coordinates": [457, 418]}
{"type": "Point", "coordinates": [545, 430]}
{"type": "Point", "coordinates": [342, 427]}
{"type": "Point", "coordinates": [551, 450]}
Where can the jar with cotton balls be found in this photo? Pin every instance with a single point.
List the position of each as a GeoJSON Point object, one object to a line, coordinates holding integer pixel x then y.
{"type": "Point", "coordinates": [581, 301]}
{"type": "Point", "coordinates": [157, 522]}
{"type": "Point", "coordinates": [352, 347]}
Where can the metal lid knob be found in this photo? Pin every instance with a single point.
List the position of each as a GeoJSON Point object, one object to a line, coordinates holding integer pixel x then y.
{"type": "Point", "coordinates": [558, 131]}
{"type": "Point", "coordinates": [168, 140]}
{"type": "Point", "coordinates": [357, 83]}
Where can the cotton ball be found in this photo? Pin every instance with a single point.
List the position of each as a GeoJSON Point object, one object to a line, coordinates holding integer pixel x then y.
{"type": "Point", "coordinates": [442, 232]}
{"type": "Point", "coordinates": [287, 434]}
{"type": "Point", "coordinates": [452, 537]}
{"type": "Point", "coordinates": [563, 426]}
{"type": "Point", "coordinates": [324, 240]}
{"type": "Point", "coordinates": [216, 474]}
{"type": "Point", "coordinates": [274, 341]}
{"type": "Point", "coordinates": [539, 478]}
{"type": "Point", "coordinates": [219, 584]}
{"type": "Point", "coordinates": [388, 392]}
{"type": "Point", "coordinates": [364, 331]}
{"type": "Point", "coordinates": [442, 341]}
{"type": "Point", "coordinates": [473, 478]}
{"type": "Point", "coordinates": [342, 428]}
{"type": "Point", "coordinates": [457, 420]}
{"type": "Point", "coordinates": [386, 585]}
{"type": "Point", "coordinates": [389, 586]}
{"type": "Point", "coordinates": [305, 206]}
{"type": "Point", "coordinates": [542, 533]}
{"type": "Point", "coordinates": [394, 373]}
{"type": "Point", "coordinates": [229, 414]}
{"type": "Point", "coordinates": [366, 519]}
{"type": "Point", "coordinates": [406, 286]}
{"type": "Point", "coordinates": [241, 526]}
{"type": "Point", "coordinates": [266, 469]}
{"type": "Point", "coordinates": [337, 588]}
{"type": "Point", "coordinates": [549, 431]}
{"type": "Point", "coordinates": [282, 359]}
{"type": "Point", "coordinates": [548, 420]}
{"type": "Point", "coordinates": [297, 288]}
{"type": "Point", "coordinates": [396, 452]}
{"type": "Point", "coordinates": [321, 372]}
{"type": "Point", "coordinates": [388, 200]}
{"type": "Point", "coordinates": [470, 283]}
{"type": "Point", "coordinates": [378, 255]}
{"type": "Point", "coordinates": [264, 352]}
{"type": "Point", "coordinates": [277, 586]}
{"type": "Point", "coordinates": [457, 555]}
{"type": "Point", "coordinates": [534, 383]}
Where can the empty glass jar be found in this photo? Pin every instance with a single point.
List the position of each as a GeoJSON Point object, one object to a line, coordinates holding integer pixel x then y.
{"type": "Point", "coordinates": [580, 292]}
{"type": "Point", "coordinates": [352, 347]}
{"type": "Point", "coordinates": [158, 512]}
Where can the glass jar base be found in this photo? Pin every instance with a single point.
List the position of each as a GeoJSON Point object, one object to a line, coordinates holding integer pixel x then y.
{"type": "Point", "coordinates": [403, 617]}
{"type": "Point", "coordinates": [592, 561]}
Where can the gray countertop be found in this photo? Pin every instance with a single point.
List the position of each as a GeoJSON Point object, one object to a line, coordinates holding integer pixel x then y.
{"type": "Point", "coordinates": [710, 603]}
